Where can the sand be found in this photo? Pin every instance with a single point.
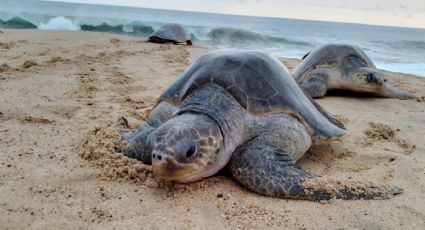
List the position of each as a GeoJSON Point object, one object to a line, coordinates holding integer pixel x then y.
{"type": "Point", "coordinates": [63, 96]}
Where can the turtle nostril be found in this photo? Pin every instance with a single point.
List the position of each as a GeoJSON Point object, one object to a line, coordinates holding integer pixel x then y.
{"type": "Point", "coordinates": [190, 152]}
{"type": "Point", "coordinates": [156, 156]}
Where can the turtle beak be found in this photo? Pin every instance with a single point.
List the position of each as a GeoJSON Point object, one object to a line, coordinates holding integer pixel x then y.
{"type": "Point", "coordinates": [381, 81]}
{"type": "Point", "coordinates": [167, 168]}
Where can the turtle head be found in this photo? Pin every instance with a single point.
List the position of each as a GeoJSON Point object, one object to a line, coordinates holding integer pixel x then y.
{"type": "Point", "coordinates": [187, 148]}
{"type": "Point", "coordinates": [373, 81]}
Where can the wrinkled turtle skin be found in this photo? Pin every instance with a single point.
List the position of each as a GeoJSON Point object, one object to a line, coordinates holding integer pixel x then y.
{"type": "Point", "coordinates": [170, 33]}
{"type": "Point", "coordinates": [343, 67]}
{"type": "Point", "coordinates": [241, 110]}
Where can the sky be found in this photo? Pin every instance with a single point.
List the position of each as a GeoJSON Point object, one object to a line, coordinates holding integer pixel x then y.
{"type": "Point", "coordinates": [406, 13]}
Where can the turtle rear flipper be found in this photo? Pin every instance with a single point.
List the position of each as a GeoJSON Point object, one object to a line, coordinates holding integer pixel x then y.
{"type": "Point", "coordinates": [270, 171]}
{"type": "Point", "coordinates": [314, 87]}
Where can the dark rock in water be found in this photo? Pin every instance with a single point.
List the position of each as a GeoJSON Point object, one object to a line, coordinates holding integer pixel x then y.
{"type": "Point", "coordinates": [17, 23]}
{"type": "Point", "coordinates": [103, 28]}
{"type": "Point", "coordinates": [139, 29]}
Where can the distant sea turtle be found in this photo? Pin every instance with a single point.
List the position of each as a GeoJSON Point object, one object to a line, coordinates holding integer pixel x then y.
{"type": "Point", "coordinates": [339, 66]}
{"type": "Point", "coordinates": [173, 33]}
{"type": "Point", "coordinates": [242, 109]}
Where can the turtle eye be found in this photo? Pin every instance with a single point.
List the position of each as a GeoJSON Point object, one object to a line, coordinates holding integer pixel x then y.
{"type": "Point", "coordinates": [190, 152]}
{"type": "Point", "coordinates": [370, 77]}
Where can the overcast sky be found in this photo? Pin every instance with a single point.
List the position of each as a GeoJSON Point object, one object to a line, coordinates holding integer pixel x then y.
{"type": "Point", "coordinates": [410, 13]}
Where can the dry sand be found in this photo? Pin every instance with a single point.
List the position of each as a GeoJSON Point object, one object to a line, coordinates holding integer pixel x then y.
{"type": "Point", "coordinates": [62, 95]}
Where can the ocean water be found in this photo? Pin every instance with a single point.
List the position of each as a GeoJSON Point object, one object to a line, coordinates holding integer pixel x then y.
{"type": "Point", "coordinates": [391, 48]}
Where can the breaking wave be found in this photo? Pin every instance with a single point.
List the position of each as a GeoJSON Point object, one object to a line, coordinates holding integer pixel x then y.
{"type": "Point", "coordinates": [222, 36]}
{"type": "Point", "coordinates": [225, 35]}
{"type": "Point", "coordinates": [135, 28]}
{"type": "Point", "coordinates": [17, 23]}
{"type": "Point", "coordinates": [59, 23]}
{"type": "Point", "coordinates": [104, 27]}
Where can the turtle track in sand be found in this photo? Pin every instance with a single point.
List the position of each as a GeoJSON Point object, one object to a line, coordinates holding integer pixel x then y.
{"type": "Point", "coordinates": [383, 132]}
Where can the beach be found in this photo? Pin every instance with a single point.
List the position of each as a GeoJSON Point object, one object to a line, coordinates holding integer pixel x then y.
{"type": "Point", "coordinates": [63, 97]}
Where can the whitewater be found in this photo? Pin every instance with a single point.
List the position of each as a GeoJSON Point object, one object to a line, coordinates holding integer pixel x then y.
{"type": "Point", "coordinates": [392, 48]}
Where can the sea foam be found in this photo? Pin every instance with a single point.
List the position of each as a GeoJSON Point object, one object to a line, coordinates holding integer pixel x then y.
{"type": "Point", "coordinates": [59, 23]}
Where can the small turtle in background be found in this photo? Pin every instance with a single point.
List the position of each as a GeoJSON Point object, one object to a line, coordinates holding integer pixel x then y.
{"type": "Point", "coordinates": [347, 67]}
{"type": "Point", "coordinates": [170, 33]}
{"type": "Point", "coordinates": [243, 110]}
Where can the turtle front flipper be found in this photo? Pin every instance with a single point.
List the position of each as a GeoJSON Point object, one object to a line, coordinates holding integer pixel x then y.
{"type": "Point", "coordinates": [315, 86]}
{"type": "Point", "coordinates": [392, 92]}
{"type": "Point", "coordinates": [270, 171]}
{"type": "Point", "coordinates": [140, 142]}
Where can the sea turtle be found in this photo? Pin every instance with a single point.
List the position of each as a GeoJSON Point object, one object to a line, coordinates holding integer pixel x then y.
{"type": "Point", "coordinates": [173, 33]}
{"type": "Point", "coordinates": [242, 109]}
{"type": "Point", "coordinates": [341, 66]}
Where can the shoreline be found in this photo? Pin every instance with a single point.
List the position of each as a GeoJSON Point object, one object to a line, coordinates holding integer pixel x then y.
{"type": "Point", "coordinates": [61, 98]}
{"type": "Point", "coordinates": [284, 59]}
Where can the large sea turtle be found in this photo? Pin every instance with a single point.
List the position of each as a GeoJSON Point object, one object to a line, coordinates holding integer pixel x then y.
{"type": "Point", "coordinates": [173, 33]}
{"type": "Point", "coordinates": [242, 109]}
{"type": "Point", "coordinates": [347, 67]}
